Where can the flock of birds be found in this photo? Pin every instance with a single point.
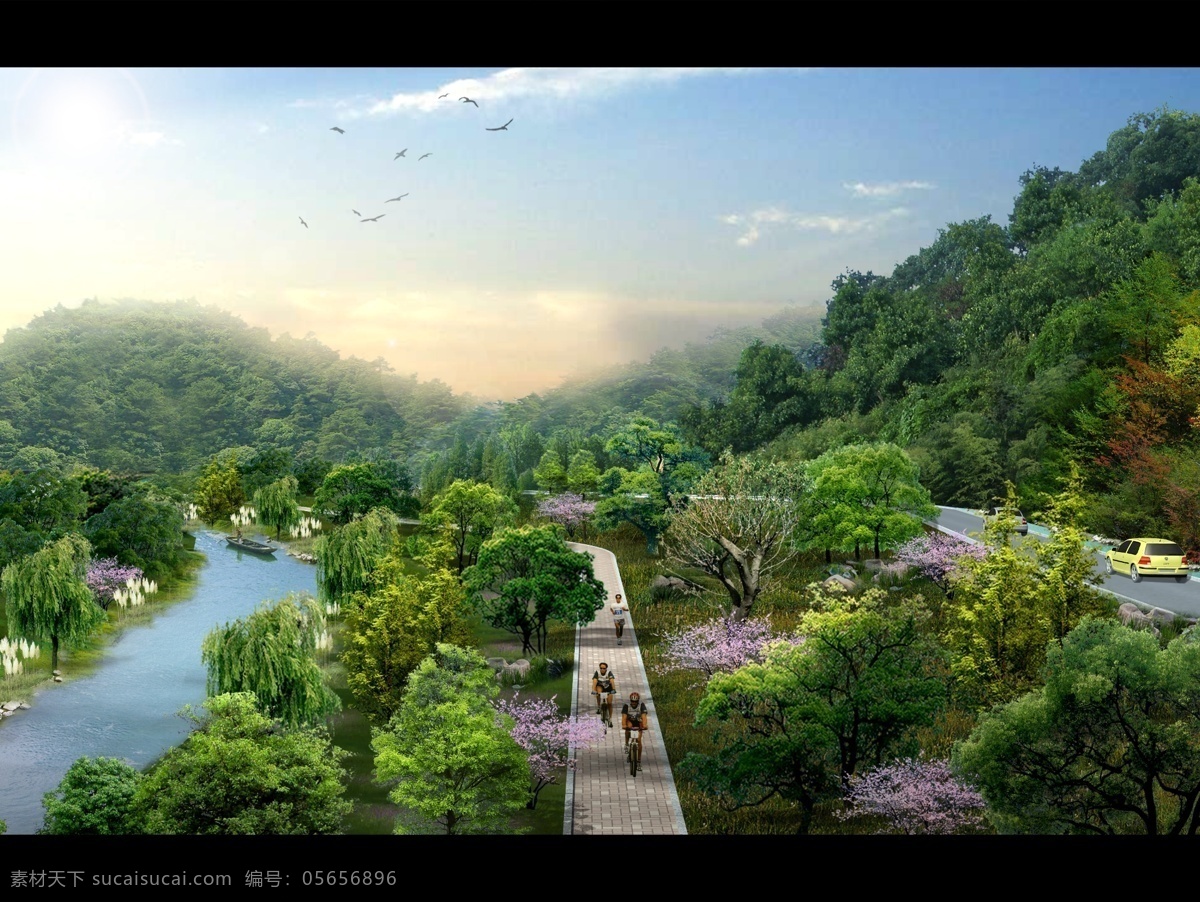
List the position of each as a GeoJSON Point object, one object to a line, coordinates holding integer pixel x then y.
{"type": "Point", "coordinates": [342, 131]}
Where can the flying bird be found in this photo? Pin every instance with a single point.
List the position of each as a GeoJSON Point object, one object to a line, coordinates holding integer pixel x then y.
{"type": "Point", "coordinates": [390, 199]}
{"type": "Point", "coordinates": [356, 213]}
{"type": "Point", "coordinates": [374, 218]}
{"type": "Point", "coordinates": [340, 131]}
{"type": "Point", "coordinates": [424, 155]}
{"type": "Point", "coordinates": [468, 100]}
{"type": "Point", "coordinates": [502, 128]}
{"type": "Point", "coordinates": [440, 96]}
{"type": "Point", "coordinates": [302, 222]}
{"type": "Point", "coordinates": [399, 155]}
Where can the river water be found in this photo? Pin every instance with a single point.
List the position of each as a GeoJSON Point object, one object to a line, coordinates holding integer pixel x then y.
{"type": "Point", "coordinates": [126, 708]}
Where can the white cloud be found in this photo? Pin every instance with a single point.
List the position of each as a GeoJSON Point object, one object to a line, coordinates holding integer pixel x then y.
{"type": "Point", "coordinates": [557, 83]}
{"type": "Point", "coordinates": [263, 128]}
{"type": "Point", "coordinates": [774, 216]}
{"type": "Point", "coordinates": [886, 189]}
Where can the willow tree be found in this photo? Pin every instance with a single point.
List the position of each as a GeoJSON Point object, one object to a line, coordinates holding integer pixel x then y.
{"type": "Point", "coordinates": [348, 555]}
{"type": "Point", "coordinates": [273, 653]}
{"type": "Point", "coordinates": [48, 596]}
{"type": "Point", "coordinates": [276, 504]}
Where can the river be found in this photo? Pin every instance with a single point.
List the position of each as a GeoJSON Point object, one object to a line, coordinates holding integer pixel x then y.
{"type": "Point", "coordinates": [126, 707]}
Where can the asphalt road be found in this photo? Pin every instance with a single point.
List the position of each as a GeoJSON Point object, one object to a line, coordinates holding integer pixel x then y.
{"type": "Point", "coordinates": [1154, 591]}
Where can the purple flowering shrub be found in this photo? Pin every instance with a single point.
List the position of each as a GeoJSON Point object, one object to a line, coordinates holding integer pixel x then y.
{"type": "Point", "coordinates": [936, 556]}
{"type": "Point", "coordinates": [547, 737]}
{"type": "Point", "coordinates": [106, 575]}
{"type": "Point", "coordinates": [915, 797]}
{"type": "Point", "coordinates": [569, 511]}
{"type": "Point", "coordinates": [720, 645]}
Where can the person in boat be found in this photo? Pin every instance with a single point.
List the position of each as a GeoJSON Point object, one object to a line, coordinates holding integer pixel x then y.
{"type": "Point", "coordinates": [239, 533]}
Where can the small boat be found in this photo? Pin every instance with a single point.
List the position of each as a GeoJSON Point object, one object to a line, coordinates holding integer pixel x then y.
{"type": "Point", "coordinates": [250, 545]}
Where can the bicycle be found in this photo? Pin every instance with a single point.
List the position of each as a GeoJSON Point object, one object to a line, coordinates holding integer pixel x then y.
{"type": "Point", "coordinates": [634, 753]}
{"type": "Point", "coordinates": [604, 704]}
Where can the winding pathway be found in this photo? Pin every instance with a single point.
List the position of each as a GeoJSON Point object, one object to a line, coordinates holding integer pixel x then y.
{"type": "Point", "coordinates": [602, 798]}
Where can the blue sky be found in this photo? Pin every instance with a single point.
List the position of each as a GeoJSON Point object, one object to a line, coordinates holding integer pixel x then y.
{"type": "Point", "coordinates": [624, 209]}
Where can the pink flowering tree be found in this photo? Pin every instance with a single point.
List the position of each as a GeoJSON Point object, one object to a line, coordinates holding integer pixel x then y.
{"type": "Point", "coordinates": [105, 575]}
{"type": "Point", "coordinates": [915, 797]}
{"type": "Point", "coordinates": [547, 737]}
{"type": "Point", "coordinates": [936, 556]}
{"type": "Point", "coordinates": [568, 510]}
{"type": "Point", "coordinates": [720, 645]}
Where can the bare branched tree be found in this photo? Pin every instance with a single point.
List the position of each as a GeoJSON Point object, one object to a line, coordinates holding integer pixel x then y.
{"type": "Point", "coordinates": [739, 525]}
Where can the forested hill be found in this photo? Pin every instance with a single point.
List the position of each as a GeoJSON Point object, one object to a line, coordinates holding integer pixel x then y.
{"type": "Point", "coordinates": [1064, 341]}
{"type": "Point", "coordinates": [142, 387]}
{"type": "Point", "coordinates": [670, 382]}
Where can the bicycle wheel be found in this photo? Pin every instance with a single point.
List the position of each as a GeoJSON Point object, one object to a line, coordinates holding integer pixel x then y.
{"type": "Point", "coordinates": [634, 753]}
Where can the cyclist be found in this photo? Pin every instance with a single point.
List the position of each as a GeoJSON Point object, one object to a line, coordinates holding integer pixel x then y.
{"type": "Point", "coordinates": [634, 716]}
{"type": "Point", "coordinates": [618, 613]}
{"type": "Point", "coordinates": [604, 687]}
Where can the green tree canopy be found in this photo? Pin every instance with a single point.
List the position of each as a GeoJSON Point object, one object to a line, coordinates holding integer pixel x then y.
{"type": "Point", "coordinates": [94, 798]}
{"type": "Point", "coordinates": [1110, 744]}
{"type": "Point", "coordinates": [388, 632]}
{"type": "Point", "coordinates": [353, 489]}
{"type": "Point", "coordinates": [869, 493]}
{"type": "Point", "coordinates": [219, 492]}
{"type": "Point", "coordinates": [526, 577]}
{"type": "Point", "coordinates": [348, 555]}
{"type": "Point", "coordinates": [850, 695]}
{"type": "Point", "coordinates": [466, 514]}
{"type": "Point", "coordinates": [241, 773]}
{"type": "Point", "coordinates": [140, 529]}
{"type": "Point", "coordinates": [448, 753]}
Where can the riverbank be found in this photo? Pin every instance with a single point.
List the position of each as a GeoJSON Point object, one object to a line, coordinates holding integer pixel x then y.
{"type": "Point", "coordinates": [82, 659]}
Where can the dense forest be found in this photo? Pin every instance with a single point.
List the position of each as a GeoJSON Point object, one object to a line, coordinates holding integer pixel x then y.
{"type": "Point", "coordinates": [1001, 352]}
{"type": "Point", "coordinates": [1051, 362]}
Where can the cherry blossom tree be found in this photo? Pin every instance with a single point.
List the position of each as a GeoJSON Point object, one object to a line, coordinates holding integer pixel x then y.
{"type": "Point", "coordinates": [915, 797]}
{"type": "Point", "coordinates": [106, 575]}
{"type": "Point", "coordinates": [547, 737]}
{"type": "Point", "coordinates": [570, 511]}
{"type": "Point", "coordinates": [936, 556]}
{"type": "Point", "coordinates": [720, 645]}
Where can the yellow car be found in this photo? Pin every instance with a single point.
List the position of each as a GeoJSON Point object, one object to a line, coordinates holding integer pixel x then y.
{"type": "Point", "coordinates": [1147, 557]}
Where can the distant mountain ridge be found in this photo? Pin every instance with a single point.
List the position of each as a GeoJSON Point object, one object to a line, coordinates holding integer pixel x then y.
{"type": "Point", "coordinates": [138, 386]}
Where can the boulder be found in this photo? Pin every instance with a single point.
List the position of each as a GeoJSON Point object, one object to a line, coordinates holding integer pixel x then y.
{"type": "Point", "coordinates": [497, 664]}
{"type": "Point", "coordinates": [1133, 616]}
{"type": "Point", "coordinates": [841, 582]}
{"type": "Point", "coordinates": [1158, 615]}
{"type": "Point", "coordinates": [668, 582]}
{"type": "Point", "coordinates": [1127, 611]}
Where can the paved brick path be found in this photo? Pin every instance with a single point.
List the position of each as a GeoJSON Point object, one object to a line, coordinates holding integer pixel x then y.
{"type": "Point", "coordinates": [601, 795]}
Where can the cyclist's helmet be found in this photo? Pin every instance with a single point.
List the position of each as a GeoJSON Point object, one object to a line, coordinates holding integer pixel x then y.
{"type": "Point", "coordinates": [634, 697]}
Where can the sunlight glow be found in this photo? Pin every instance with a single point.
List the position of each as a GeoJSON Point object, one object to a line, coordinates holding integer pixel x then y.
{"type": "Point", "coordinates": [78, 114]}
